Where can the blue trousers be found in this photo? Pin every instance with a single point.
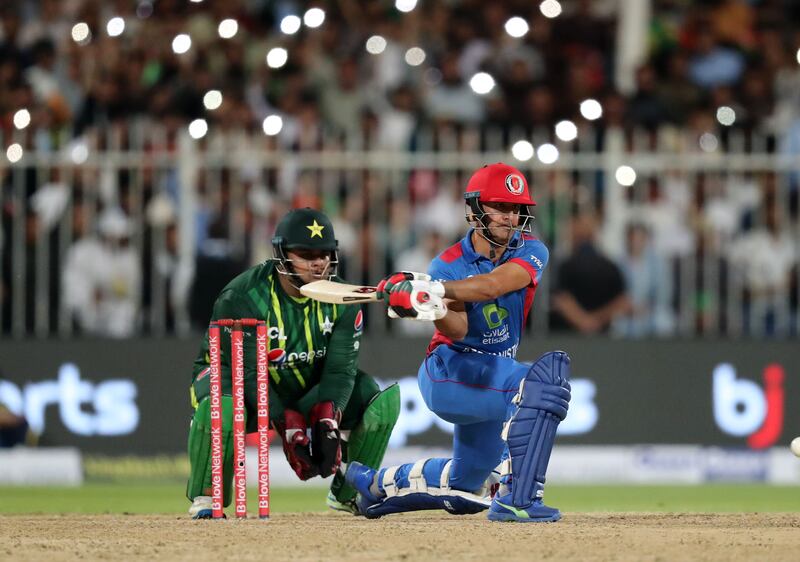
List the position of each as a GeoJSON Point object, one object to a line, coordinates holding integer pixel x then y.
{"type": "Point", "coordinates": [474, 392]}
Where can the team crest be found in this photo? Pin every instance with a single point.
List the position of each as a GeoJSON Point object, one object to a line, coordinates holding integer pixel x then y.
{"type": "Point", "coordinates": [359, 323]}
{"type": "Point", "coordinates": [277, 356]}
{"type": "Point", "coordinates": [316, 229]}
{"type": "Point", "coordinates": [515, 184]}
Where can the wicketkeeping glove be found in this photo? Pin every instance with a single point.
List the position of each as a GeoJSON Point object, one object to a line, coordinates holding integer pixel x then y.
{"type": "Point", "coordinates": [326, 445]}
{"type": "Point", "coordinates": [296, 444]}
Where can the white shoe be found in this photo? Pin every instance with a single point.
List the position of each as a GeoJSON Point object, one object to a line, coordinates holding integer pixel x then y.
{"type": "Point", "coordinates": [348, 507]}
{"type": "Point", "coordinates": [201, 508]}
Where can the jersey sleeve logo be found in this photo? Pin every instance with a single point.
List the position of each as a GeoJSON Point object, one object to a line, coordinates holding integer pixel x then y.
{"type": "Point", "coordinates": [514, 184]}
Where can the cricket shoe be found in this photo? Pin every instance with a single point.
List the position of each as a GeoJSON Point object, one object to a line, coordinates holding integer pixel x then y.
{"type": "Point", "coordinates": [201, 508]}
{"type": "Point", "coordinates": [336, 505]}
{"type": "Point", "coordinates": [502, 509]}
{"type": "Point", "coordinates": [361, 477]}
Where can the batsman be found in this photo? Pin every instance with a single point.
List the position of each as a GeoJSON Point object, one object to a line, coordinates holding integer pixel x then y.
{"type": "Point", "coordinates": [504, 411]}
{"type": "Point", "coordinates": [324, 408]}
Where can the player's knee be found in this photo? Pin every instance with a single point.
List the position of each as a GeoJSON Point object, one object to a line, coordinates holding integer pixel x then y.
{"type": "Point", "coordinates": [473, 475]}
{"type": "Point", "coordinates": [546, 386]}
{"type": "Point", "coordinates": [469, 480]}
{"type": "Point", "coordinates": [551, 368]}
{"type": "Point", "coordinates": [202, 414]}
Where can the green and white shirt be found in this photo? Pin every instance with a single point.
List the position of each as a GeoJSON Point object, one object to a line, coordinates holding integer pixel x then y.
{"type": "Point", "coordinates": [310, 343]}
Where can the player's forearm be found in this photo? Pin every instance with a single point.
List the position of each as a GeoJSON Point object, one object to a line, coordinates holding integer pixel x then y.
{"type": "Point", "coordinates": [475, 289]}
{"type": "Point", "coordinates": [454, 325]}
{"type": "Point", "coordinates": [337, 387]}
{"type": "Point", "coordinates": [339, 373]}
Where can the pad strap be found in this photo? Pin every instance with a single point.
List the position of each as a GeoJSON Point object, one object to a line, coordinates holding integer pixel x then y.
{"type": "Point", "coordinates": [388, 485]}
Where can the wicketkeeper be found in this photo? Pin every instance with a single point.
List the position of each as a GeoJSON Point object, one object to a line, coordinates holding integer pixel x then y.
{"type": "Point", "coordinates": [324, 408]}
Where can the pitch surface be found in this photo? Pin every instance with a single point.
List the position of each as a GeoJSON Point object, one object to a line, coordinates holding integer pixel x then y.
{"type": "Point", "coordinates": [423, 536]}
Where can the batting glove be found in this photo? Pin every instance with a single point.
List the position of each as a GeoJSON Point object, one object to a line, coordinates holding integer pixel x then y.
{"type": "Point", "coordinates": [385, 286]}
{"type": "Point", "coordinates": [297, 445]}
{"type": "Point", "coordinates": [417, 300]}
{"type": "Point", "coordinates": [326, 443]}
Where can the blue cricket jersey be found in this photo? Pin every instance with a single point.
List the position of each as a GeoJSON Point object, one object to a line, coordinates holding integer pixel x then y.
{"type": "Point", "coordinates": [495, 326]}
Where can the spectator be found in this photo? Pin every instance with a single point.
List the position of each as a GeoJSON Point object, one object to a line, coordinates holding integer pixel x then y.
{"type": "Point", "coordinates": [216, 264]}
{"type": "Point", "coordinates": [445, 212]}
{"type": "Point", "coordinates": [341, 100]}
{"type": "Point", "coordinates": [591, 290]}
{"type": "Point", "coordinates": [649, 284]}
{"type": "Point", "coordinates": [102, 279]}
{"type": "Point", "coordinates": [676, 90]}
{"type": "Point", "coordinates": [397, 120]}
{"type": "Point", "coordinates": [46, 82]}
{"type": "Point", "coordinates": [539, 109]}
{"type": "Point", "coordinates": [646, 108]}
{"type": "Point", "coordinates": [452, 100]}
{"type": "Point", "coordinates": [733, 22]}
{"type": "Point", "coordinates": [764, 258]}
{"type": "Point", "coordinates": [712, 64]}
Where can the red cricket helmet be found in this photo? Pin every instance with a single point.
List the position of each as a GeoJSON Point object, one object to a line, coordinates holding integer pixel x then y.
{"type": "Point", "coordinates": [499, 183]}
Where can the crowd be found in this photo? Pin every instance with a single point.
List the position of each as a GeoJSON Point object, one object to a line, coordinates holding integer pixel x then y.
{"type": "Point", "coordinates": [702, 55]}
{"type": "Point", "coordinates": [333, 92]}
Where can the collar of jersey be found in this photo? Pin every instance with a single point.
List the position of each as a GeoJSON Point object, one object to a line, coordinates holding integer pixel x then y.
{"type": "Point", "coordinates": [469, 253]}
{"type": "Point", "coordinates": [300, 301]}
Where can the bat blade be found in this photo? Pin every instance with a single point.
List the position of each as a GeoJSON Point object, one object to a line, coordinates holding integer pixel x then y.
{"type": "Point", "coordinates": [339, 293]}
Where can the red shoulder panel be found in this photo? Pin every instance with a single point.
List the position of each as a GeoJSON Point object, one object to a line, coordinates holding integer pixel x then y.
{"type": "Point", "coordinates": [452, 253]}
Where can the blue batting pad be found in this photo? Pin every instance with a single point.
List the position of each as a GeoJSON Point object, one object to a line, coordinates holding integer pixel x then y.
{"type": "Point", "coordinates": [531, 432]}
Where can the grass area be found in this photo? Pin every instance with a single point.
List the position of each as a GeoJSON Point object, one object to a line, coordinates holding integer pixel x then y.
{"type": "Point", "coordinates": [140, 498]}
{"type": "Point", "coordinates": [168, 498]}
{"type": "Point", "coordinates": [706, 498]}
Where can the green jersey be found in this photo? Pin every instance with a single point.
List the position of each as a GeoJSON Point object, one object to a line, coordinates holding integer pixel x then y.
{"type": "Point", "coordinates": [311, 344]}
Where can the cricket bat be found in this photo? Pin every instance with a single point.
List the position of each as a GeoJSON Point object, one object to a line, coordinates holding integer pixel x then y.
{"type": "Point", "coordinates": [339, 293]}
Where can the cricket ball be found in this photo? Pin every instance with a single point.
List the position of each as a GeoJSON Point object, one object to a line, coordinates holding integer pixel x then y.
{"type": "Point", "coordinates": [795, 446]}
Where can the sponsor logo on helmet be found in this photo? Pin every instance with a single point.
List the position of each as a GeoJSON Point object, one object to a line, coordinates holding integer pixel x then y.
{"type": "Point", "coordinates": [359, 323]}
{"type": "Point", "coordinates": [277, 356]}
{"type": "Point", "coordinates": [515, 184]}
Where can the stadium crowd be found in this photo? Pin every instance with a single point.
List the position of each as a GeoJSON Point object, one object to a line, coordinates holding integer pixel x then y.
{"type": "Point", "coordinates": [333, 91]}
